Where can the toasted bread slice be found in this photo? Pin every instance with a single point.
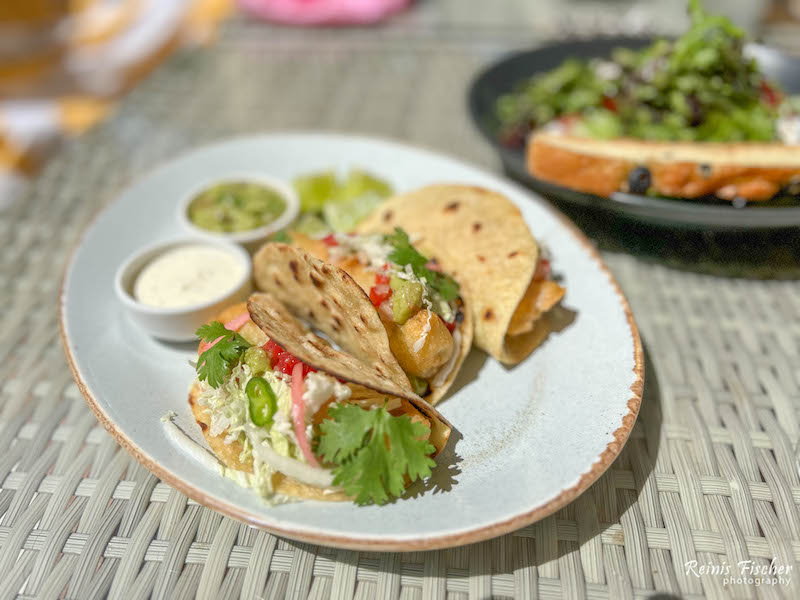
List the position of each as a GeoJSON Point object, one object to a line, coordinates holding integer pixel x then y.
{"type": "Point", "coordinates": [749, 170]}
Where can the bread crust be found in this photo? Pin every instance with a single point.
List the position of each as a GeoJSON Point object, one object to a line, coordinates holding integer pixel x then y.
{"type": "Point", "coordinates": [599, 174]}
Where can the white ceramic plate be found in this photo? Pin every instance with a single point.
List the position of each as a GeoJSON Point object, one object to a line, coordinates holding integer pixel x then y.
{"type": "Point", "coordinates": [532, 437]}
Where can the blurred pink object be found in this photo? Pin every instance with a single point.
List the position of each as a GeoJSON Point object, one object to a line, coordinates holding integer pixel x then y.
{"type": "Point", "coordinates": [323, 12]}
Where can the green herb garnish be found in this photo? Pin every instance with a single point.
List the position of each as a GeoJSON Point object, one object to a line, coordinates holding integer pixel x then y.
{"type": "Point", "coordinates": [374, 451]}
{"type": "Point", "coordinates": [215, 364]}
{"type": "Point", "coordinates": [280, 236]}
{"type": "Point", "coordinates": [403, 253]}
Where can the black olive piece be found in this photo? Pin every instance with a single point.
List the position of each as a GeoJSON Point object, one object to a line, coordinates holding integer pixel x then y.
{"type": "Point", "coordinates": [639, 180]}
{"type": "Point", "coordinates": [705, 169]}
{"type": "Point", "coordinates": [459, 317]}
{"type": "Point", "coordinates": [697, 114]}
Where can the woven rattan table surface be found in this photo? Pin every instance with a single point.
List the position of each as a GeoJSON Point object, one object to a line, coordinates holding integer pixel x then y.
{"type": "Point", "coordinates": [709, 474]}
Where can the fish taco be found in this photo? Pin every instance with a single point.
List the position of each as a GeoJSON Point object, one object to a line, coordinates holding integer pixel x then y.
{"type": "Point", "coordinates": [428, 327]}
{"type": "Point", "coordinates": [480, 238]}
{"type": "Point", "coordinates": [293, 417]}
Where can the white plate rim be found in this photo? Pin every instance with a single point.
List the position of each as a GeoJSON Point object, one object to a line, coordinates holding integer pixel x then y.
{"type": "Point", "coordinates": [435, 542]}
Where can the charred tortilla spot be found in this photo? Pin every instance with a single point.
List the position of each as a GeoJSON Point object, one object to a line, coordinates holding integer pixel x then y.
{"type": "Point", "coordinates": [311, 314]}
{"type": "Point", "coordinates": [277, 280]}
{"type": "Point", "coordinates": [488, 315]}
{"type": "Point", "coordinates": [326, 269]}
{"type": "Point", "coordinates": [324, 304]}
{"type": "Point", "coordinates": [316, 281]}
{"type": "Point", "coordinates": [481, 258]}
{"type": "Point", "coordinates": [336, 302]}
{"type": "Point", "coordinates": [337, 322]}
{"type": "Point", "coordinates": [203, 426]}
{"type": "Point", "coordinates": [513, 254]}
{"type": "Point", "coordinates": [363, 318]}
{"type": "Point", "coordinates": [191, 401]}
{"type": "Point", "coordinates": [294, 267]}
{"type": "Point", "coordinates": [387, 216]}
{"type": "Point", "coordinates": [451, 207]}
{"type": "Point", "coordinates": [476, 227]}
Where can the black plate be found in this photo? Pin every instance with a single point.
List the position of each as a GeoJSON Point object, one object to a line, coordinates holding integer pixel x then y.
{"type": "Point", "coordinates": [501, 78]}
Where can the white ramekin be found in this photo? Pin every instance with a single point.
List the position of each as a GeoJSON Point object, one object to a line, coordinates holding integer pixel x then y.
{"type": "Point", "coordinates": [178, 324]}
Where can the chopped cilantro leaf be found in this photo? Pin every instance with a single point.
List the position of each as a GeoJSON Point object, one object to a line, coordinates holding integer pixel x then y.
{"type": "Point", "coordinates": [403, 253]}
{"type": "Point", "coordinates": [215, 364]}
{"type": "Point", "coordinates": [280, 236]}
{"type": "Point", "coordinates": [374, 451]}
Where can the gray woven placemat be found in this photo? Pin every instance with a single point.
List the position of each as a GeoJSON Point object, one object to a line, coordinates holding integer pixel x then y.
{"type": "Point", "coordinates": [709, 474]}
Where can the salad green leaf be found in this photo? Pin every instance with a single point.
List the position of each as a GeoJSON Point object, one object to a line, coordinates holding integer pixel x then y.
{"type": "Point", "coordinates": [373, 451]}
{"type": "Point", "coordinates": [216, 363]}
{"type": "Point", "coordinates": [699, 87]}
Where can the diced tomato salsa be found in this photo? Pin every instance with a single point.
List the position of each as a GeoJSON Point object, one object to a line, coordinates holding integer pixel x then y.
{"type": "Point", "coordinates": [609, 103]}
{"type": "Point", "coordinates": [330, 240]}
{"type": "Point", "coordinates": [381, 291]}
{"type": "Point", "coordinates": [451, 327]}
{"type": "Point", "coordinates": [769, 95]}
{"type": "Point", "coordinates": [282, 360]}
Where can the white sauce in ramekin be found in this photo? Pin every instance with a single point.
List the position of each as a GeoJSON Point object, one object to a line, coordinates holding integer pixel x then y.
{"type": "Point", "coordinates": [187, 275]}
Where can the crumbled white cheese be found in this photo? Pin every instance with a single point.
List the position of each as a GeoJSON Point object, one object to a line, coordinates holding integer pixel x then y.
{"type": "Point", "coordinates": [371, 250]}
{"type": "Point", "coordinates": [319, 388]}
{"type": "Point", "coordinates": [607, 70]}
{"type": "Point", "coordinates": [282, 424]}
{"type": "Point", "coordinates": [788, 127]}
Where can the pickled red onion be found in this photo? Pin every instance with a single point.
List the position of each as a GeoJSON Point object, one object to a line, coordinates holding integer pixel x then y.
{"type": "Point", "coordinates": [237, 323]}
{"type": "Point", "coordinates": [432, 265]}
{"type": "Point", "coordinates": [299, 414]}
{"type": "Point", "coordinates": [206, 345]}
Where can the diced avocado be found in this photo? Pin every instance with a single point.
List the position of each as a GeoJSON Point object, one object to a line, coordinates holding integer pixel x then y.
{"type": "Point", "coordinates": [406, 298]}
{"type": "Point", "coordinates": [419, 385]}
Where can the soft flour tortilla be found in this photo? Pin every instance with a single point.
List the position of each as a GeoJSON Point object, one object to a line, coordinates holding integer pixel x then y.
{"type": "Point", "coordinates": [263, 310]}
{"type": "Point", "coordinates": [480, 238]}
{"type": "Point", "coordinates": [329, 298]}
{"type": "Point", "coordinates": [228, 454]}
{"type": "Point", "coordinates": [347, 364]}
